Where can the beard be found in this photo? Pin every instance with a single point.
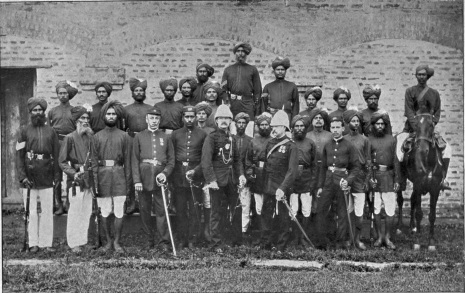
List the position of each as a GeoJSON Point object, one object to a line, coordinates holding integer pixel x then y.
{"type": "Point", "coordinates": [264, 132]}
{"type": "Point", "coordinates": [81, 130]}
{"type": "Point", "coordinates": [299, 135]}
{"type": "Point", "coordinates": [353, 127]}
{"type": "Point", "coordinates": [378, 133]}
{"type": "Point", "coordinates": [138, 98]}
{"type": "Point", "coordinates": [38, 119]}
{"type": "Point", "coordinates": [373, 106]}
{"type": "Point", "coordinates": [110, 123]}
{"type": "Point", "coordinates": [169, 98]}
{"type": "Point", "coordinates": [202, 78]}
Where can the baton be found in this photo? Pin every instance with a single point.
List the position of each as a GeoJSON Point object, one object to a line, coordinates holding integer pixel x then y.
{"type": "Point", "coordinates": [346, 194]}
{"type": "Point", "coordinates": [297, 222]}
{"type": "Point", "coordinates": [162, 186]}
{"type": "Point", "coordinates": [26, 220]}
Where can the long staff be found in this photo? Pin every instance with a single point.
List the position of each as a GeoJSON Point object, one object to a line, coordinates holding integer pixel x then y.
{"type": "Point", "coordinates": [26, 220]}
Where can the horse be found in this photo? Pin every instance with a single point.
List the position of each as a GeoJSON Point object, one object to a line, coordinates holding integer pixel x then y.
{"type": "Point", "coordinates": [424, 168]}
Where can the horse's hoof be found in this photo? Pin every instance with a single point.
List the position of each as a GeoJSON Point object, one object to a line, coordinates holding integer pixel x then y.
{"type": "Point", "coordinates": [432, 248]}
{"type": "Point", "coordinates": [398, 232]}
{"type": "Point", "coordinates": [416, 247]}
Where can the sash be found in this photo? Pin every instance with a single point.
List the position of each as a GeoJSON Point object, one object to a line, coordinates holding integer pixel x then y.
{"type": "Point", "coordinates": [422, 93]}
{"type": "Point", "coordinates": [277, 145]}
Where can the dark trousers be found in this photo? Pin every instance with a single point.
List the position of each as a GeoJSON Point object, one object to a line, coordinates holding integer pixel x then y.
{"type": "Point", "coordinates": [187, 214]}
{"type": "Point", "coordinates": [331, 192]}
{"type": "Point", "coordinates": [230, 196]}
{"type": "Point", "coordinates": [153, 199]}
{"type": "Point", "coordinates": [276, 227]}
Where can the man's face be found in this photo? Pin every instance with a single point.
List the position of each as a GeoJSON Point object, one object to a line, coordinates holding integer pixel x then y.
{"type": "Point", "coordinates": [372, 102]}
{"type": "Point", "coordinates": [422, 77]}
{"type": "Point", "coordinates": [201, 116]}
{"type": "Point", "coordinates": [202, 75]}
{"type": "Point", "coordinates": [264, 129]}
{"type": "Point", "coordinates": [336, 129]}
{"type": "Point", "coordinates": [318, 121]}
{"type": "Point", "coordinates": [37, 110]}
{"type": "Point", "coordinates": [278, 131]}
{"type": "Point", "coordinates": [311, 102]}
{"type": "Point", "coordinates": [138, 94]}
{"type": "Point", "coordinates": [354, 123]}
{"type": "Point", "coordinates": [241, 56]}
{"type": "Point", "coordinates": [102, 95]}
{"type": "Point", "coordinates": [211, 95]}
{"type": "Point", "coordinates": [189, 119]}
{"type": "Point", "coordinates": [153, 121]}
{"type": "Point", "coordinates": [380, 126]}
{"type": "Point", "coordinates": [223, 122]}
{"type": "Point", "coordinates": [186, 90]}
{"type": "Point", "coordinates": [342, 100]}
{"type": "Point", "coordinates": [110, 117]}
{"type": "Point", "coordinates": [63, 95]}
{"type": "Point", "coordinates": [299, 130]}
{"type": "Point", "coordinates": [241, 124]}
{"type": "Point", "coordinates": [83, 121]}
{"type": "Point", "coordinates": [280, 72]}
{"type": "Point", "coordinates": [169, 92]}
{"type": "Point", "coordinates": [38, 116]}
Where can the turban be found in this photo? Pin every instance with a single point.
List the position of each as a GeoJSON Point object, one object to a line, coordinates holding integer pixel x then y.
{"type": "Point", "coordinates": [380, 115]}
{"type": "Point", "coordinates": [316, 111]}
{"type": "Point", "coordinates": [165, 83]}
{"type": "Point", "coordinates": [223, 111]}
{"type": "Point", "coordinates": [107, 86]}
{"type": "Point", "coordinates": [112, 104]}
{"type": "Point", "coordinates": [33, 102]}
{"type": "Point", "coordinates": [69, 87]}
{"type": "Point", "coordinates": [369, 91]}
{"type": "Point", "coordinates": [207, 67]}
{"type": "Point", "coordinates": [247, 48]}
{"type": "Point", "coordinates": [78, 111]}
{"type": "Point", "coordinates": [263, 117]}
{"type": "Point", "coordinates": [341, 90]}
{"type": "Point", "coordinates": [135, 83]}
{"type": "Point", "coordinates": [211, 85]}
{"type": "Point", "coordinates": [281, 61]}
{"type": "Point", "coordinates": [350, 113]}
{"type": "Point", "coordinates": [203, 106]}
{"type": "Point", "coordinates": [316, 92]}
{"type": "Point", "coordinates": [242, 115]}
{"type": "Point", "coordinates": [191, 81]}
{"type": "Point", "coordinates": [429, 71]}
{"type": "Point", "coordinates": [304, 119]}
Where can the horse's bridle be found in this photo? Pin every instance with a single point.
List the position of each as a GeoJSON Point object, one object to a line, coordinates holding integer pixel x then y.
{"type": "Point", "coordinates": [428, 139]}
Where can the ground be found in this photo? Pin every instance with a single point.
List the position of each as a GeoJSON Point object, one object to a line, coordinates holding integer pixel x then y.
{"type": "Point", "coordinates": [234, 269]}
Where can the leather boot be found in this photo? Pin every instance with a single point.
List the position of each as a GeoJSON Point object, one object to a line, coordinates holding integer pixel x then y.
{"type": "Point", "coordinates": [379, 241]}
{"type": "Point", "coordinates": [358, 231]}
{"type": "Point", "coordinates": [444, 182]}
{"type": "Point", "coordinates": [389, 222]}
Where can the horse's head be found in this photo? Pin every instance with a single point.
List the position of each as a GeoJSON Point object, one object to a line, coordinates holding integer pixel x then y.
{"type": "Point", "coordinates": [424, 142]}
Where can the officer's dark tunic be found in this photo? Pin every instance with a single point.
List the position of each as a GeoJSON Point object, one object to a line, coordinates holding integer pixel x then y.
{"type": "Point", "coordinates": [171, 114]}
{"type": "Point", "coordinates": [283, 93]}
{"type": "Point", "coordinates": [221, 162]}
{"type": "Point", "coordinates": [255, 161]}
{"type": "Point", "coordinates": [156, 145]}
{"type": "Point", "coordinates": [383, 152]}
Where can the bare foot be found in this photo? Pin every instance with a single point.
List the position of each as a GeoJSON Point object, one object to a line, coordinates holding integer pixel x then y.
{"type": "Point", "coordinates": [107, 247]}
{"type": "Point", "coordinates": [118, 247]}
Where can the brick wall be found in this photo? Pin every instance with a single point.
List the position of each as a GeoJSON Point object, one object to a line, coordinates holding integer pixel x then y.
{"type": "Point", "coordinates": [332, 43]}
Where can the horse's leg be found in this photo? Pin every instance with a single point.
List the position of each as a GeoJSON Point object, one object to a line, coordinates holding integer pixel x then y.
{"type": "Point", "coordinates": [413, 201]}
{"type": "Point", "coordinates": [418, 217]}
{"type": "Point", "coordinates": [400, 204]}
{"type": "Point", "coordinates": [434, 195]}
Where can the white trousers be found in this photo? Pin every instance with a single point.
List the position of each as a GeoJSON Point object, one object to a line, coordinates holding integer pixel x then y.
{"type": "Point", "coordinates": [306, 199]}
{"type": "Point", "coordinates": [40, 227]}
{"type": "Point", "coordinates": [80, 209]}
{"type": "Point", "coordinates": [113, 205]}
{"type": "Point", "coordinates": [245, 203]}
{"type": "Point", "coordinates": [359, 203]}
{"type": "Point", "coordinates": [386, 199]}
{"type": "Point", "coordinates": [258, 203]}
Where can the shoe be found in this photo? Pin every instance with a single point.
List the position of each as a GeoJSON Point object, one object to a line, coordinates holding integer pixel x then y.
{"type": "Point", "coordinates": [118, 247]}
{"type": "Point", "coordinates": [50, 249]}
{"type": "Point", "coordinates": [360, 245]}
{"type": "Point", "coordinates": [60, 210]}
{"type": "Point", "coordinates": [390, 245]}
{"type": "Point", "coordinates": [377, 243]}
{"type": "Point", "coordinates": [131, 209]}
{"type": "Point", "coordinates": [34, 249]}
{"type": "Point", "coordinates": [190, 245]}
{"type": "Point", "coordinates": [106, 247]}
{"type": "Point", "coordinates": [76, 249]}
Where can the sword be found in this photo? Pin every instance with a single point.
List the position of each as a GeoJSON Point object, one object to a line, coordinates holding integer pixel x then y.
{"type": "Point", "coordinates": [291, 212]}
{"type": "Point", "coordinates": [162, 186]}
{"type": "Point", "coordinates": [346, 195]}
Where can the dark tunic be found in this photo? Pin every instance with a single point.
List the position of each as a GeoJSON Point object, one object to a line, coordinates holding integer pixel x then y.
{"type": "Point", "coordinates": [366, 123]}
{"type": "Point", "coordinates": [242, 144]}
{"type": "Point", "coordinates": [307, 172]}
{"type": "Point", "coordinates": [320, 138]}
{"type": "Point", "coordinates": [199, 95]}
{"type": "Point", "coordinates": [61, 120]}
{"type": "Point", "coordinates": [191, 102]}
{"type": "Point", "coordinates": [39, 140]}
{"type": "Point", "coordinates": [221, 160]}
{"type": "Point", "coordinates": [310, 113]}
{"type": "Point", "coordinates": [76, 150]}
{"type": "Point", "coordinates": [383, 152]}
{"type": "Point", "coordinates": [363, 147]}
{"type": "Point", "coordinates": [207, 129]}
{"type": "Point", "coordinates": [112, 144]}
{"type": "Point", "coordinates": [283, 93]}
{"type": "Point", "coordinates": [134, 117]}
{"type": "Point", "coordinates": [187, 146]}
{"type": "Point", "coordinates": [171, 114]}
{"type": "Point", "coordinates": [281, 166]}
{"type": "Point", "coordinates": [243, 80]}
{"type": "Point", "coordinates": [211, 119]}
{"type": "Point", "coordinates": [255, 161]}
{"type": "Point", "coordinates": [151, 145]}
{"type": "Point", "coordinates": [96, 120]}
{"type": "Point", "coordinates": [430, 103]}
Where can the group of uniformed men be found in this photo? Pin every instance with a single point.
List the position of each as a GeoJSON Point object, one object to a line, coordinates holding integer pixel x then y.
{"type": "Point", "coordinates": [315, 161]}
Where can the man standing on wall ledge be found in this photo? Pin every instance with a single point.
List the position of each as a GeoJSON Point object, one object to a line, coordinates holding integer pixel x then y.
{"type": "Point", "coordinates": [204, 72]}
{"type": "Point", "coordinates": [172, 111]}
{"type": "Point", "coordinates": [242, 82]}
{"type": "Point", "coordinates": [103, 91]}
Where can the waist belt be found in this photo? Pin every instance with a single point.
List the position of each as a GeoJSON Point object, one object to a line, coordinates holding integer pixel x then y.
{"type": "Point", "coordinates": [236, 97]}
{"type": "Point", "coordinates": [382, 168]}
{"type": "Point", "coordinates": [61, 136]}
{"type": "Point", "coordinates": [108, 163]}
{"type": "Point", "coordinates": [32, 156]}
{"type": "Point", "coordinates": [154, 162]}
{"type": "Point", "coordinates": [333, 169]}
{"type": "Point", "coordinates": [185, 164]}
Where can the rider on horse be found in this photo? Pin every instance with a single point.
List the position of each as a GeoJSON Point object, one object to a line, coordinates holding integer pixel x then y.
{"type": "Point", "coordinates": [420, 99]}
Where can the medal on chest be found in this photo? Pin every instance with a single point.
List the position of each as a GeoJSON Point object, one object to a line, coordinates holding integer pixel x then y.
{"type": "Point", "coordinates": [161, 141]}
{"type": "Point", "coordinates": [282, 149]}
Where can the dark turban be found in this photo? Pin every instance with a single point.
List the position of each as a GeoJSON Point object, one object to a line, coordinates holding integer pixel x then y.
{"type": "Point", "coordinates": [78, 111]}
{"type": "Point", "coordinates": [203, 106]}
{"type": "Point", "coordinates": [380, 115]}
{"type": "Point", "coordinates": [324, 114]}
{"type": "Point", "coordinates": [305, 119]}
{"type": "Point", "coordinates": [316, 92]}
{"type": "Point", "coordinates": [349, 114]}
{"type": "Point", "coordinates": [112, 104]}
{"type": "Point", "coordinates": [281, 61]}
{"type": "Point", "coordinates": [429, 71]}
{"type": "Point", "coordinates": [33, 102]}
{"type": "Point", "coordinates": [135, 83]}
{"type": "Point", "coordinates": [207, 67]}
{"type": "Point", "coordinates": [369, 91]}
{"type": "Point", "coordinates": [247, 48]}
{"type": "Point", "coordinates": [211, 85]}
{"type": "Point", "coordinates": [242, 115]}
{"type": "Point", "coordinates": [71, 89]}
{"type": "Point", "coordinates": [106, 85]}
{"type": "Point", "coordinates": [263, 117]}
{"type": "Point", "coordinates": [164, 83]}
{"type": "Point", "coordinates": [339, 91]}
{"type": "Point", "coordinates": [192, 81]}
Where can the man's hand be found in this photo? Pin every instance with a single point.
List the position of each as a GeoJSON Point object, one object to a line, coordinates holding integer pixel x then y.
{"type": "Point", "coordinates": [344, 184]}
{"type": "Point", "coordinates": [396, 187]}
{"type": "Point", "coordinates": [161, 178]}
{"type": "Point", "coordinates": [242, 181]}
{"type": "Point", "coordinates": [373, 183]}
{"type": "Point", "coordinates": [213, 185]}
{"type": "Point", "coordinates": [138, 186]}
{"type": "Point", "coordinates": [26, 183]}
{"type": "Point", "coordinates": [279, 194]}
{"type": "Point", "coordinates": [318, 193]}
{"type": "Point", "coordinates": [189, 175]}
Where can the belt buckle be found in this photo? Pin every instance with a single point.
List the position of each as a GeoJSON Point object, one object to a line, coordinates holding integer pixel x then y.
{"type": "Point", "coordinates": [40, 156]}
{"type": "Point", "coordinates": [331, 169]}
{"type": "Point", "coordinates": [109, 163]}
{"type": "Point", "coordinates": [185, 164]}
{"type": "Point", "coordinates": [81, 169]}
{"type": "Point", "coordinates": [233, 97]}
{"type": "Point", "coordinates": [261, 164]}
{"type": "Point", "coordinates": [239, 98]}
